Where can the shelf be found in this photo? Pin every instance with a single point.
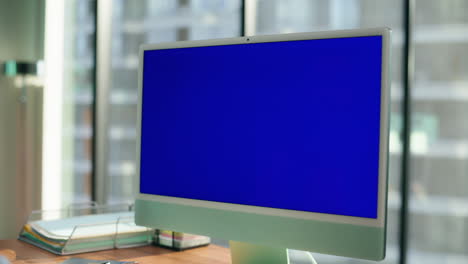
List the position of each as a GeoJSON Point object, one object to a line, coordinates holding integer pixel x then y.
{"type": "Point", "coordinates": [450, 34]}
{"type": "Point", "coordinates": [434, 34]}
{"type": "Point", "coordinates": [129, 62]}
{"type": "Point", "coordinates": [429, 257]}
{"type": "Point", "coordinates": [117, 97]}
{"type": "Point", "coordinates": [115, 169]}
{"type": "Point", "coordinates": [123, 169]}
{"type": "Point", "coordinates": [456, 91]}
{"type": "Point", "coordinates": [122, 133]}
{"type": "Point", "coordinates": [121, 97]}
{"type": "Point", "coordinates": [182, 18]}
{"type": "Point", "coordinates": [82, 98]}
{"type": "Point", "coordinates": [452, 149]}
{"type": "Point", "coordinates": [439, 206]}
{"type": "Point", "coordinates": [84, 132]}
{"type": "Point", "coordinates": [434, 205]}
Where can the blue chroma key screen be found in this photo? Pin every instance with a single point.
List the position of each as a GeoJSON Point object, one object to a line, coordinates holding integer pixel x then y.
{"type": "Point", "coordinates": [292, 125]}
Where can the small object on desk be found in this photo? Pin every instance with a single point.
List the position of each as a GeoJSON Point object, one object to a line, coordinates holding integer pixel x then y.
{"type": "Point", "coordinates": [4, 260]}
{"type": "Point", "coordinates": [7, 254]}
{"type": "Point", "coordinates": [93, 261]}
{"type": "Point", "coordinates": [179, 240]}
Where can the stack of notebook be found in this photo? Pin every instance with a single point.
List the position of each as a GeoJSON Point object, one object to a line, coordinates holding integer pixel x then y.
{"type": "Point", "coordinates": [179, 240]}
{"type": "Point", "coordinates": [86, 233]}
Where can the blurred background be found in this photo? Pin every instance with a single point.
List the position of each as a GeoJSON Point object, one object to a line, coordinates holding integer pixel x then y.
{"type": "Point", "coordinates": [68, 125]}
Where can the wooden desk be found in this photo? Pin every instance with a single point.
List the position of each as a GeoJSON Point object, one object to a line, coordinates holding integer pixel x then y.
{"type": "Point", "coordinates": [26, 253]}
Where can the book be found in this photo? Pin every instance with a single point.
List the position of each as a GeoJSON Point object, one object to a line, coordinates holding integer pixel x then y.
{"type": "Point", "coordinates": [179, 240]}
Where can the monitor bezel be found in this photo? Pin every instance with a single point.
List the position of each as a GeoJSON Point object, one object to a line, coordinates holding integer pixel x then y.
{"type": "Point", "coordinates": [380, 221]}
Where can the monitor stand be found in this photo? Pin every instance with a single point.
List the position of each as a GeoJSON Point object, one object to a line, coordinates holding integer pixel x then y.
{"type": "Point", "coordinates": [245, 253]}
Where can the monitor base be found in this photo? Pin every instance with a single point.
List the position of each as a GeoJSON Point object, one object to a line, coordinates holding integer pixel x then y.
{"type": "Point", "coordinates": [245, 253]}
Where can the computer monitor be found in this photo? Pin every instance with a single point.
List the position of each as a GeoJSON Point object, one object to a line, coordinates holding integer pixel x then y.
{"type": "Point", "coordinates": [279, 141]}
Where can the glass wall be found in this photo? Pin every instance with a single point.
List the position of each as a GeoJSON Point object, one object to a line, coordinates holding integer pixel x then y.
{"type": "Point", "coordinates": [151, 21]}
{"type": "Point", "coordinates": [77, 113]}
{"type": "Point", "coordinates": [439, 139]}
{"type": "Point", "coordinates": [315, 15]}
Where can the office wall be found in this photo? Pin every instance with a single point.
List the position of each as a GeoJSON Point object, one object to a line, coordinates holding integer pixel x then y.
{"type": "Point", "coordinates": [21, 38]}
{"type": "Point", "coordinates": [22, 29]}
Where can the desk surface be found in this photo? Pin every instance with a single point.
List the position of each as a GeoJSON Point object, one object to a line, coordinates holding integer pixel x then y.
{"type": "Point", "coordinates": [20, 252]}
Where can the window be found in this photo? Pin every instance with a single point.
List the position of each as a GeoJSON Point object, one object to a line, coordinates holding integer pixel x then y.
{"type": "Point", "coordinates": [439, 136]}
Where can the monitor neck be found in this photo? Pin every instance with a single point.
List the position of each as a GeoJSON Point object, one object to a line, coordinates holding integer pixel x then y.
{"type": "Point", "coordinates": [245, 253]}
